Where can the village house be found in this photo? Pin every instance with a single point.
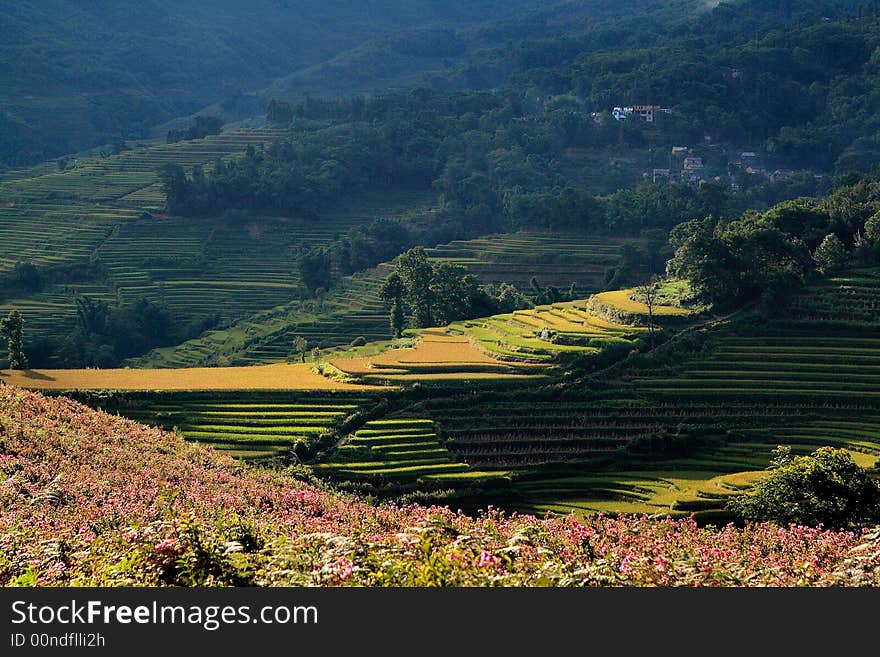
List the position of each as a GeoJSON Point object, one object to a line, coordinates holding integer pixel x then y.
{"type": "Point", "coordinates": [661, 175]}
{"type": "Point", "coordinates": [692, 169]}
{"type": "Point", "coordinates": [646, 113]}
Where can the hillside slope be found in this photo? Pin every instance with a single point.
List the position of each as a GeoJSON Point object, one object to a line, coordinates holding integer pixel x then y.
{"type": "Point", "coordinates": [83, 73]}
{"type": "Point", "coordinates": [89, 498]}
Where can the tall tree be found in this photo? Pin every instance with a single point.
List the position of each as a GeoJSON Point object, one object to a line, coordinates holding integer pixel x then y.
{"type": "Point", "coordinates": [12, 327]}
{"type": "Point", "coordinates": [393, 291]}
{"type": "Point", "coordinates": [300, 346]}
{"type": "Point", "coordinates": [830, 255]}
{"type": "Point", "coordinates": [647, 294]}
{"type": "Point", "coordinates": [416, 272]}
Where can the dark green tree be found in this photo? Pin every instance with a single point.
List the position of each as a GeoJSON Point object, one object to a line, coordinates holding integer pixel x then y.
{"type": "Point", "coordinates": [315, 267]}
{"type": "Point", "coordinates": [393, 292]}
{"type": "Point", "coordinates": [830, 255]}
{"type": "Point", "coordinates": [417, 274]}
{"type": "Point", "coordinates": [731, 263]}
{"type": "Point", "coordinates": [397, 318]}
{"type": "Point", "coordinates": [452, 290]}
{"type": "Point", "coordinates": [826, 487]}
{"type": "Point", "coordinates": [12, 327]}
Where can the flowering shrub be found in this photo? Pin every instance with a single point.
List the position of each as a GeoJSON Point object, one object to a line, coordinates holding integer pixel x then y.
{"type": "Point", "coordinates": [91, 499]}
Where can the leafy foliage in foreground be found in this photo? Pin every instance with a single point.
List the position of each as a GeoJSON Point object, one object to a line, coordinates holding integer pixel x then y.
{"type": "Point", "coordinates": [92, 499]}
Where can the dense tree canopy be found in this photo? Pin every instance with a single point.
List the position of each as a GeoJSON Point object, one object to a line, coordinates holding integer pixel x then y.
{"type": "Point", "coordinates": [826, 487]}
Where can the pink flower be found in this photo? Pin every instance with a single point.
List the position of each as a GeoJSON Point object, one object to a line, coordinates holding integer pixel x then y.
{"type": "Point", "coordinates": [487, 559]}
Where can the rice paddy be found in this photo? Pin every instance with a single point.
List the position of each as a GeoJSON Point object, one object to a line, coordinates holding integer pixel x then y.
{"type": "Point", "coordinates": [805, 380]}
{"type": "Point", "coordinates": [293, 377]}
{"type": "Point", "coordinates": [255, 426]}
{"type": "Point", "coordinates": [399, 451]}
{"type": "Point", "coordinates": [107, 211]}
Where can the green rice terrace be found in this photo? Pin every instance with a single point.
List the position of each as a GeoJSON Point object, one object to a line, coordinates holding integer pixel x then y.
{"type": "Point", "coordinates": [559, 259]}
{"type": "Point", "coordinates": [354, 309]}
{"type": "Point", "coordinates": [250, 425]}
{"type": "Point", "coordinates": [105, 213]}
{"type": "Point", "coordinates": [718, 413]}
{"type": "Point", "coordinates": [399, 452]}
{"type": "Point", "coordinates": [489, 409]}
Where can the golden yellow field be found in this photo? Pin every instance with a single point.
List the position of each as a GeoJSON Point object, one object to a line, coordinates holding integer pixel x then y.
{"type": "Point", "coordinates": [620, 299]}
{"type": "Point", "coordinates": [297, 376]}
{"type": "Point", "coordinates": [437, 354]}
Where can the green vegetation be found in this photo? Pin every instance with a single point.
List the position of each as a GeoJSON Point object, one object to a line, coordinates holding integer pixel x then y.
{"type": "Point", "coordinates": [400, 454]}
{"type": "Point", "coordinates": [355, 307]}
{"type": "Point", "coordinates": [826, 487]}
{"type": "Point", "coordinates": [437, 235]}
{"type": "Point", "coordinates": [81, 75]}
{"type": "Point", "coordinates": [255, 426]}
{"type": "Point", "coordinates": [12, 328]}
{"type": "Point", "coordinates": [545, 333]}
{"type": "Point", "coordinates": [202, 273]}
{"type": "Point", "coordinates": [555, 260]}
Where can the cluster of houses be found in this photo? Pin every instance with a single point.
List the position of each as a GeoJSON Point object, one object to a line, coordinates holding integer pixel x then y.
{"type": "Point", "coordinates": [646, 113]}
{"type": "Point", "coordinates": [685, 166]}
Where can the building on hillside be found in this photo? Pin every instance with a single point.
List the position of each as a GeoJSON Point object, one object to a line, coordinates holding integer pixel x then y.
{"type": "Point", "coordinates": [661, 175]}
{"type": "Point", "coordinates": [680, 151]}
{"type": "Point", "coordinates": [649, 112]}
{"type": "Point", "coordinates": [646, 113]}
{"type": "Point", "coordinates": [692, 169]}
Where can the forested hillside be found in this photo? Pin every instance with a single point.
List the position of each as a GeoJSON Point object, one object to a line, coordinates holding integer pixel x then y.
{"type": "Point", "coordinates": [77, 74]}
{"type": "Point", "coordinates": [83, 74]}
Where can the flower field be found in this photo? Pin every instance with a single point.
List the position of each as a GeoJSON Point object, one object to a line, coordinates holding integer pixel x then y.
{"type": "Point", "coordinates": [93, 499]}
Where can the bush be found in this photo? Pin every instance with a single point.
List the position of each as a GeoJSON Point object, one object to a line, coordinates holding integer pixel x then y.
{"type": "Point", "coordinates": [359, 341]}
{"type": "Point", "coordinates": [827, 487]}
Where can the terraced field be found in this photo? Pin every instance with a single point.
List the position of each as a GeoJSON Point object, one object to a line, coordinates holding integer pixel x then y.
{"type": "Point", "coordinates": [355, 309]}
{"type": "Point", "coordinates": [289, 377]}
{"type": "Point", "coordinates": [399, 451]}
{"type": "Point", "coordinates": [558, 259]}
{"type": "Point", "coordinates": [106, 211]}
{"type": "Point", "coordinates": [352, 310]}
{"type": "Point", "coordinates": [795, 381]}
{"type": "Point", "coordinates": [542, 334]}
{"type": "Point", "coordinates": [437, 355]}
{"type": "Point", "coordinates": [252, 426]}
{"type": "Point", "coordinates": [525, 343]}
{"type": "Point", "coordinates": [133, 172]}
